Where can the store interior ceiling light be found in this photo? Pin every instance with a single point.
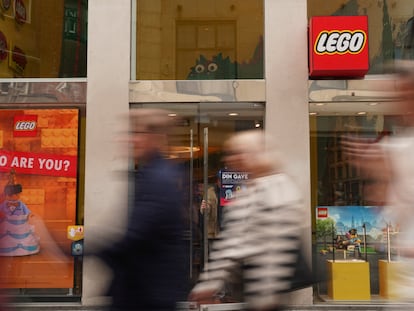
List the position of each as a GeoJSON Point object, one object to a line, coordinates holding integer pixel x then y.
{"type": "Point", "coordinates": [352, 108]}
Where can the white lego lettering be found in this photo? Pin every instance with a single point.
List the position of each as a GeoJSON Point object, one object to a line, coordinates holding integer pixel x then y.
{"type": "Point", "coordinates": [25, 125]}
{"type": "Point", "coordinates": [337, 42]}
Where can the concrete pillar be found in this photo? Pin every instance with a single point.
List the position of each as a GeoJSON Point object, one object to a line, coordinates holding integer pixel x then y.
{"type": "Point", "coordinates": [107, 97]}
{"type": "Point", "coordinates": [286, 74]}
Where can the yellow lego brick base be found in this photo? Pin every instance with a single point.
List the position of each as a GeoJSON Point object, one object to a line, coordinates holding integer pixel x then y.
{"type": "Point", "coordinates": [348, 280]}
{"type": "Point", "coordinates": [387, 274]}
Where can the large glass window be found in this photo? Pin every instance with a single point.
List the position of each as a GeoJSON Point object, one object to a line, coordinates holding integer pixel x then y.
{"type": "Point", "coordinates": [41, 189]}
{"type": "Point", "coordinates": [390, 26]}
{"type": "Point", "coordinates": [345, 198]}
{"type": "Point", "coordinates": [43, 39]}
{"type": "Point", "coordinates": [200, 39]}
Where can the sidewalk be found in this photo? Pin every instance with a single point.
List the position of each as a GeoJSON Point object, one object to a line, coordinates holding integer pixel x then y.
{"type": "Point", "coordinates": [224, 307]}
{"type": "Point", "coordinates": [324, 307]}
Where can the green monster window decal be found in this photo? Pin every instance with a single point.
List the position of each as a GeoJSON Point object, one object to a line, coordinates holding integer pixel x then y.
{"type": "Point", "coordinates": [219, 67]}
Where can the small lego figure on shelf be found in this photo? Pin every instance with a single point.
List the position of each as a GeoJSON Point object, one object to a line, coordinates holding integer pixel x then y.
{"type": "Point", "coordinates": [352, 237]}
{"type": "Point", "coordinates": [353, 241]}
{"type": "Point", "coordinates": [340, 243]}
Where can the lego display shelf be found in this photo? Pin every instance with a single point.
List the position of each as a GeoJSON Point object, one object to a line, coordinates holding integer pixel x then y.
{"type": "Point", "coordinates": [348, 280]}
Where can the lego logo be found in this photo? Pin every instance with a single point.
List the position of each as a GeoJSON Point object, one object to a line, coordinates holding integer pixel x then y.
{"type": "Point", "coordinates": [340, 42]}
{"type": "Point", "coordinates": [25, 125]}
{"type": "Point", "coordinates": [322, 212]}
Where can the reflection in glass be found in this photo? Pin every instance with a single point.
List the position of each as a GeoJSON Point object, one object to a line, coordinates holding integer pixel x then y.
{"type": "Point", "coordinates": [200, 39]}
{"type": "Point", "coordinates": [43, 39]}
{"type": "Point", "coordinates": [187, 148]}
{"type": "Point", "coordinates": [337, 184]}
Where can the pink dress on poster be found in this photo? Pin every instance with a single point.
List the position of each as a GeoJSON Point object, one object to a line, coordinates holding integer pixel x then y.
{"type": "Point", "coordinates": [17, 235]}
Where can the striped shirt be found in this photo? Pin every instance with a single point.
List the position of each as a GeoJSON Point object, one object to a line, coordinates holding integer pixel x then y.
{"type": "Point", "coordinates": [259, 242]}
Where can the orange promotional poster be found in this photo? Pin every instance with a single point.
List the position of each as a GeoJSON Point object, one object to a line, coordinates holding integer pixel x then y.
{"type": "Point", "coordinates": [38, 189]}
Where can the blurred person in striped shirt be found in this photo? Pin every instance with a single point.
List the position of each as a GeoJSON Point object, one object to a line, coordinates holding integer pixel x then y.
{"type": "Point", "coordinates": [259, 247]}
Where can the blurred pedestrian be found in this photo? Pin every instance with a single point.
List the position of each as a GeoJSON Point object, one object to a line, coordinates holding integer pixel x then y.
{"type": "Point", "coordinates": [390, 160]}
{"type": "Point", "coordinates": [149, 262]}
{"type": "Point", "coordinates": [259, 247]}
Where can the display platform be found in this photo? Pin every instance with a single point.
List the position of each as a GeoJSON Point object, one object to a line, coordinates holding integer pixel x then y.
{"type": "Point", "coordinates": [387, 273]}
{"type": "Point", "coordinates": [348, 280]}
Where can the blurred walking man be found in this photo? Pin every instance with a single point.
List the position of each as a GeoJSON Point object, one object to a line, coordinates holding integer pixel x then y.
{"type": "Point", "coordinates": [149, 262]}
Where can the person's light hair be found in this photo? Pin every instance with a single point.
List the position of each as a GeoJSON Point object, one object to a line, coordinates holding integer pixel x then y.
{"type": "Point", "coordinates": [265, 156]}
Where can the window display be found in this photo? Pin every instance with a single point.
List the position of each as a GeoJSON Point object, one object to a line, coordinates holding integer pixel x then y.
{"type": "Point", "coordinates": [39, 165]}
{"type": "Point", "coordinates": [43, 39]}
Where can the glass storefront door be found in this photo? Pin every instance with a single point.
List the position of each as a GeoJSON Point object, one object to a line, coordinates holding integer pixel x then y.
{"type": "Point", "coordinates": [196, 144]}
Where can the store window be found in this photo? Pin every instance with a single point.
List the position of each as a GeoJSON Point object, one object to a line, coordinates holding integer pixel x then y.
{"type": "Point", "coordinates": [390, 26]}
{"type": "Point", "coordinates": [43, 39]}
{"type": "Point", "coordinates": [197, 40]}
{"type": "Point", "coordinates": [348, 205]}
{"type": "Point", "coordinates": [41, 190]}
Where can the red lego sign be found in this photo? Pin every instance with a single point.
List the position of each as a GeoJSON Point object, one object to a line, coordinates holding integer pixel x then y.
{"type": "Point", "coordinates": [322, 212]}
{"type": "Point", "coordinates": [338, 46]}
{"type": "Point", "coordinates": [25, 125]}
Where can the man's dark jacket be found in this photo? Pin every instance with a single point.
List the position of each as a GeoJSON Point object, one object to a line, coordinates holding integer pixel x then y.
{"type": "Point", "coordinates": [150, 263]}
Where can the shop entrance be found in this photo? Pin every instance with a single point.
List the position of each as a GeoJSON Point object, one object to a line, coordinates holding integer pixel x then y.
{"type": "Point", "coordinates": [196, 144]}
